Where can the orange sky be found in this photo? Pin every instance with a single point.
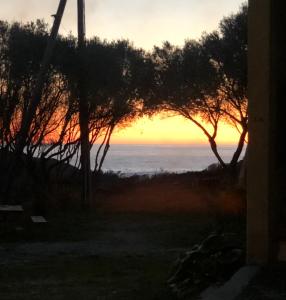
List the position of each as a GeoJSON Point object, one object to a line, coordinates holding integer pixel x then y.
{"type": "Point", "coordinates": [169, 130]}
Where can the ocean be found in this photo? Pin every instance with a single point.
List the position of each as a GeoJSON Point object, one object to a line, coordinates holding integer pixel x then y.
{"type": "Point", "coordinates": [151, 159]}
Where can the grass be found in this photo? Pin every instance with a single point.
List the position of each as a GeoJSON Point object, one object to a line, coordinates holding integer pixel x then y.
{"type": "Point", "coordinates": [117, 275]}
{"type": "Point", "coordinates": [170, 229]}
{"type": "Point", "coordinates": [123, 272]}
{"type": "Point", "coordinates": [88, 277]}
{"type": "Point", "coordinates": [124, 250]}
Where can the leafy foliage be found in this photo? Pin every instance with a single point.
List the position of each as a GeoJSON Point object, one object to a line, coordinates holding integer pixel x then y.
{"type": "Point", "coordinates": [204, 81]}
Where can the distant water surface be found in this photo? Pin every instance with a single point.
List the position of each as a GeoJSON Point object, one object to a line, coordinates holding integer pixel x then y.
{"type": "Point", "coordinates": [151, 159]}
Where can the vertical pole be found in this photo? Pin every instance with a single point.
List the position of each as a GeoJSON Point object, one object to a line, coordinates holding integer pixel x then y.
{"type": "Point", "coordinates": [81, 23]}
{"type": "Point", "coordinates": [83, 110]}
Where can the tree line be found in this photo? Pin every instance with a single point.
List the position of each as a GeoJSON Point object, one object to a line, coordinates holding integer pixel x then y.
{"type": "Point", "coordinates": [204, 81]}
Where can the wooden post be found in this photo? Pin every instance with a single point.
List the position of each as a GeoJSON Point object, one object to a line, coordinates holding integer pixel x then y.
{"type": "Point", "coordinates": [258, 163]}
{"type": "Point", "coordinates": [266, 161]}
{"type": "Point", "coordinates": [83, 110]}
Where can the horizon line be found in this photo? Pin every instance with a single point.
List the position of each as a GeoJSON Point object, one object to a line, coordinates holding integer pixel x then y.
{"type": "Point", "coordinates": [170, 143]}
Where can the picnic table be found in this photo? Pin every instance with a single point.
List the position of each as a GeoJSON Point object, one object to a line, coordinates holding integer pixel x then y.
{"type": "Point", "coordinates": [16, 214]}
{"type": "Point", "coordinates": [6, 210]}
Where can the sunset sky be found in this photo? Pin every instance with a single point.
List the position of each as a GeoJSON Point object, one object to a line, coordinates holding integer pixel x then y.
{"type": "Point", "coordinates": [145, 23]}
{"type": "Point", "coordinates": [170, 130]}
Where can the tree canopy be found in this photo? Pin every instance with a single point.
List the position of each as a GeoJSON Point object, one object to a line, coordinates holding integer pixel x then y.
{"type": "Point", "coordinates": [204, 81]}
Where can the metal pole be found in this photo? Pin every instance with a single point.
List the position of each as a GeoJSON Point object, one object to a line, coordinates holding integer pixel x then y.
{"type": "Point", "coordinates": [83, 110]}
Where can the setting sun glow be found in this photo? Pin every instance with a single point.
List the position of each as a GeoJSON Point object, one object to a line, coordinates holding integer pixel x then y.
{"type": "Point", "coordinates": [169, 130]}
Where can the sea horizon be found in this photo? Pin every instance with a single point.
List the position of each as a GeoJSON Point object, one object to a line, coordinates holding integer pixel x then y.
{"type": "Point", "coordinates": [170, 144]}
{"type": "Point", "coordinates": [149, 159]}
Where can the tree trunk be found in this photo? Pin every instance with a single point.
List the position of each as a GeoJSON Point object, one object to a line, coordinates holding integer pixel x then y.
{"type": "Point", "coordinates": [214, 150]}
{"type": "Point", "coordinates": [106, 148]}
{"type": "Point", "coordinates": [239, 149]}
{"type": "Point", "coordinates": [242, 172]}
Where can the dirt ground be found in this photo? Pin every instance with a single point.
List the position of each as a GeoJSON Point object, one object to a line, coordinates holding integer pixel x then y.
{"type": "Point", "coordinates": [123, 248]}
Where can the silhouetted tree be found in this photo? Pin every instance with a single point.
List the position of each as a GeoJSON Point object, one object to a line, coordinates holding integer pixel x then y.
{"type": "Point", "coordinates": [115, 80]}
{"type": "Point", "coordinates": [227, 49]}
{"type": "Point", "coordinates": [186, 85]}
{"type": "Point", "coordinates": [54, 119]}
{"type": "Point", "coordinates": [205, 81]}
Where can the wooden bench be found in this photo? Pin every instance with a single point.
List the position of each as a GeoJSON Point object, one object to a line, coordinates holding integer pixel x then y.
{"type": "Point", "coordinates": [38, 219]}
